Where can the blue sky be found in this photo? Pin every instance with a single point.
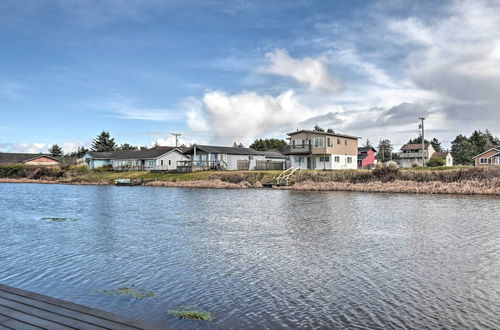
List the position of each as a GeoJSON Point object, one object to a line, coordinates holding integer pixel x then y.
{"type": "Point", "coordinates": [224, 71]}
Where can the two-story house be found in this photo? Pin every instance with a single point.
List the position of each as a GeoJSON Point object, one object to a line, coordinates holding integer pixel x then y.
{"type": "Point", "coordinates": [321, 150]}
{"type": "Point", "coordinates": [411, 153]}
{"type": "Point", "coordinates": [367, 157]}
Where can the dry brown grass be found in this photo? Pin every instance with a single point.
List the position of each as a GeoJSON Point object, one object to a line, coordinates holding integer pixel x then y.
{"type": "Point", "coordinates": [490, 187]}
{"type": "Point", "coordinates": [215, 184]}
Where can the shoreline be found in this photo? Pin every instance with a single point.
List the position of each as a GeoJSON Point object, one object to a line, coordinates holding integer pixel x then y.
{"type": "Point", "coordinates": [397, 186]}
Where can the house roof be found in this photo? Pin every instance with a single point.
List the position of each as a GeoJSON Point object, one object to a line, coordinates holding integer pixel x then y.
{"type": "Point", "coordinates": [323, 133]}
{"type": "Point", "coordinates": [365, 149]}
{"type": "Point", "coordinates": [16, 158]}
{"type": "Point", "coordinates": [142, 154]}
{"type": "Point", "coordinates": [362, 156]}
{"type": "Point", "coordinates": [100, 155]}
{"type": "Point", "coordinates": [413, 146]}
{"type": "Point", "coordinates": [440, 154]}
{"type": "Point", "coordinates": [497, 148]}
{"type": "Point", "coordinates": [224, 150]}
{"type": "Point", "coordinates": [272, 154]}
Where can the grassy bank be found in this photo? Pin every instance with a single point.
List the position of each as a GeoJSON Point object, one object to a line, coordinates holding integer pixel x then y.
{"type": "Point", "coordinates": [462, 180]}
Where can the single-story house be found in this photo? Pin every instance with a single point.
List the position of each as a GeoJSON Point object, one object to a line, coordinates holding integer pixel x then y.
{"type": "Point", "coordinates": [160, 158]}
{"type": "Point", "coordinates": [205, 157]}
{"type": "Point", "coordinates": [96, 159]}
{"type": "Point", "coordinates": [154, 159]}
{"type": "Point", "coordinates": [275, 160]}
{"type": "Point", "coordinates": [444, 155]}
{"type": "Point", "coordinates": [30, 159]}
{"type": "Point", "coordinates": [366, 157]}
{"type": "Point", "coordinates": [490, 157]}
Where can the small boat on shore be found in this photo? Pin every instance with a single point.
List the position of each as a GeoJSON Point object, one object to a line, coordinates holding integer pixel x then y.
{"type": "Point", "coordinates": [127, 182]}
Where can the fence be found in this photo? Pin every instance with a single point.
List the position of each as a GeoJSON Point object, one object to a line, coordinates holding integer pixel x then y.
{"type": "Point", "coordinates": [269, 166]}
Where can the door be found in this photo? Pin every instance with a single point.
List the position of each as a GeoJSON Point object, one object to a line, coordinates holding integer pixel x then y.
{"type": "Point", "coordinates": [309, 163]}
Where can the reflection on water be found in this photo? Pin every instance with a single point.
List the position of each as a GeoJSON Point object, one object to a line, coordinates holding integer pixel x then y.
{"type": "Point", "coordinates": [258, 258]}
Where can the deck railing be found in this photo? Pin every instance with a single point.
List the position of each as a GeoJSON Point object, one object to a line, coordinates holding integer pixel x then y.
{"type": "Point", "coordinates": [293, 149]}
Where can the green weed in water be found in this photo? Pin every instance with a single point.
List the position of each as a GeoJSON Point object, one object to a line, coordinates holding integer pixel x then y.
{"type": "Point", "coordinates": [129, 291]}
{"type": "Point", "coordinates": [55, 219]}
{"type": "Point", "coordinates": [186, 312]}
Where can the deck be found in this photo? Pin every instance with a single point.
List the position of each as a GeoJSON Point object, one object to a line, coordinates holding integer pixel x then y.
{"type": "Point", "coordinates": [21, 309]}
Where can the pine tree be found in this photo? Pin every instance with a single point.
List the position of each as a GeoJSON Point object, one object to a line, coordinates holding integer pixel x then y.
{"type": "Point", "coordinates": [56, 151]}
{"type": "Point", "coordinates": [436, 145]}
{"type": "Point", "coordinates": [318, 129]}
{"type": "Point", "coordinates": [384, 150]}
{"type": "Point", "coordinates": [103, 142]}
{"type": "Point", "coordinates": [462, 150]}
{"type": "Point", "coordinates": [126, 146]}
{"type": "Point", "coordinates": [368, 144]}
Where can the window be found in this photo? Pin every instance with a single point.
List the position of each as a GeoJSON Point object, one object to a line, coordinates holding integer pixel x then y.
{"type": "Point", "coordinates": [250, 157]}
{"type": "Point", "coordinates": [345, 141]}
{"type": "Point", "coordinates": [169, 162]}
{"type": "Point", "coordinates": [161, 162]}
{"type": "Point", "coordinates": [324, 159]}
{"type": "Point", "coordinates": [299, 159]}
{"type": "Point", "coordinates": [329, 142]}
{"type": "Point", "coordinates": [338, 141]}
{"type": "Point", "coordinates": [318, 142]}
{"type": "Point", "coordinates": [337, 159]}
{"type": "Point", "coordinates": [349, 160]}
{"type": "Point", "coordinates": [498, 160]}
{"type": "Point", "coordinates": [483, 160]}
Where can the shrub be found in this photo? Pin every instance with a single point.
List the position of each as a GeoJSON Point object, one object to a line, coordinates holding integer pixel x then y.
{"type": "Point", "coordinates": [414, 164]}
{"type": "Point", "coordinates": [434, 162]}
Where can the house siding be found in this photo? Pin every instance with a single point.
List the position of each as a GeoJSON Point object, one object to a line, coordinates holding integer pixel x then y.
{"type": "Point", "coordinates": [317, 164]}
{"type": "Point", "coordinates": [477, 160]}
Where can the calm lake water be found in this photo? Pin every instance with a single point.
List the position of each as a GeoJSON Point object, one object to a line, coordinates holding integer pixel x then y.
{"type": "Point", "coordinates": [259, 258]}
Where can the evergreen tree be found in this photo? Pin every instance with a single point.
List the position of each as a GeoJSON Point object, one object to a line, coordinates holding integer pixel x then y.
{"type": "Point", "coordinates": [318, 129]}
{"type": "Point", "coordinates": [268, 144]}
{"type": "Point", "coordinates": [368, 144]}
{"type": "Point", "coordinates": [103, 142]}
{"type": "Point", "coordinates": [126, 146]}
{"type": "Point", "coordinates": [56, 151]}
{"type": "Point", "coordinates": [330, 130]}
{"type": "Point", "coordinates": [384, 150]}
{"type": "Point", "coordinates": [462, 150]}
{"type": "Point", "coordinates": [436, 145]}
{"type": "Point", "coordinates": [79, 153]}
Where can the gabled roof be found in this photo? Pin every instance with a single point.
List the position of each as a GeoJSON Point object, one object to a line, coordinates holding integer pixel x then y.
{"type": "Point", "coordinates": [223, 150]}
{"type": "Point", "coordinates": [272, 154]}
{"type": "Point", "coordinates": [323, 133]}
{"type": "Point", "coordinates": [365, 149]}
{"type": "Point", "coordinates": [100, 154]}
{"type": "Point", "coordinates": [440, 154]}
{"type": "Point", "coordinates": [497, 148]}
{"type": "Point", "coordinates": [413, 146]}
{"type": "Point", "coordinates": [143, 154]}
{"type": "Point", "coordinates": [17, 158]}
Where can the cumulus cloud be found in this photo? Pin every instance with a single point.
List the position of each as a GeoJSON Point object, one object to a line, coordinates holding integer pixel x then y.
{"type": "Point", "coordinates": [243, 117]}
{"type": "Point", "coordinates": [310, 71]}
{"type": "Point", "coordinates": [38, 147]}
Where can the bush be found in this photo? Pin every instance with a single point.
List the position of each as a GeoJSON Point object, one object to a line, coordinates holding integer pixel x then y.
{"type": "Point", "coordinates": [414, 164]}
{"type": "Point", "coordinates": [434, 162]}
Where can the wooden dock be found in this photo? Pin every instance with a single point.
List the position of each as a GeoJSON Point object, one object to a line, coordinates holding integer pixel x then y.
{"type": "Point", "coordinates": [20, 309]}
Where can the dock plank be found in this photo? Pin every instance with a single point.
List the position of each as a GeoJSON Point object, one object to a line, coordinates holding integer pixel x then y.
{"type": "Point", "coordinates": [28, 310]}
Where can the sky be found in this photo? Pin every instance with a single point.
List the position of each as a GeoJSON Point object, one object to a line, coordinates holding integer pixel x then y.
{"type": "Point", "coordinates": [220, 72]}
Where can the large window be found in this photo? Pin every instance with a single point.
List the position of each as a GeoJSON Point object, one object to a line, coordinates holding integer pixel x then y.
{"type": "Point", "coordinates": [318, 142]}
{"type": "Point", "coordinates": [483, 160]}
{"type": "Point", "coordinates": [329, 142]}
{"type": "Point", "coordinates": [337, 159]}
{"type": "Point", "coordinates": [349, 160]}
{"type": "Point", "coordinates": [338, 141]}
{"type": "Point", "coordinates": [325, 159]}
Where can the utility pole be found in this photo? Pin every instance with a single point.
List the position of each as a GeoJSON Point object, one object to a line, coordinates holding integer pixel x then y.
{"type": "Point", "coordinates": [176, 138]}
{"type": "Point", "coordinates": [423, 140]}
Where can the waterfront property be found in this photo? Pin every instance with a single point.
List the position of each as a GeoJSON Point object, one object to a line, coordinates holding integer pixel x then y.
{"type": "Point", "coordinates": [321, 150]}
{"type": "Point", "coordinates": [160, 158]}
{"type": "Point", "coordinates": [205, 157]}
{"type": "Point", "coordinates": [366, 157]}
{"type": "Point", "coordinates": [411, 155]}
{"type": "Point", "coordinates": [30, 159]}
{"type": "Point", "coordinates": [154, 159]}
{"type": "Point", "coordinates": [490, 157]}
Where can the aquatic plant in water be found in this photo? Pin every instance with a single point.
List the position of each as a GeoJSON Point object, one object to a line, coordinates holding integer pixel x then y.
{"type": "Point", "coordinates": [129, 291]}
{"type": "Point", "coordinates": [56, 219]}
{"type": "Point", "coordinates": [186, 312]}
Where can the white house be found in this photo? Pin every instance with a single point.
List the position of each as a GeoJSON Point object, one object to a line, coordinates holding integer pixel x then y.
{"type": "Point", "coordinates": [155, 159]}
{"type": "Point", "coordinates": [204, 157]}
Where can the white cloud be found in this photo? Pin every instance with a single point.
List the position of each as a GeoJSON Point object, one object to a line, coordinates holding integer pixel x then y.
{"type": "Point", "coordinates": [9, 89]}
{"type": "Point", "coordinates": [310, 71]}
{"type": "Point", "coordinates": [39, 147]}
{"type": "Point", "coordinates": [245, 116]}
{"type": "Point", "coordinates": [127, 109]}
